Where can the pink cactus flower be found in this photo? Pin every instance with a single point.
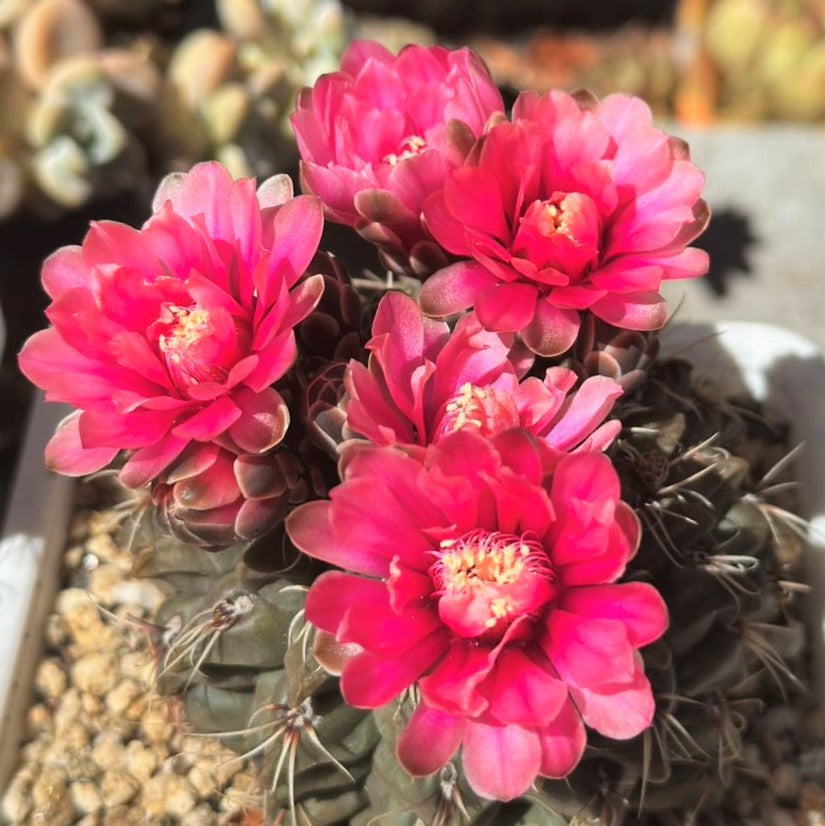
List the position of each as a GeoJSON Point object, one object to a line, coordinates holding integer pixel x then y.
{"type": "Point", "coordinates": [379, 136]}
{"type": "Point", "coordinates": [424, 382]}
{"type": "Point", "coordinates": [574, 206]}
{"type": "Point", "coordinates": [489, 584]}
{"type": "Point", "coordinates": [174, 333]}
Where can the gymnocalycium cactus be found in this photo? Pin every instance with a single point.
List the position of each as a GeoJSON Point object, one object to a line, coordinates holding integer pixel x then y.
{"type": "Point", "coordinates": [430, 564]}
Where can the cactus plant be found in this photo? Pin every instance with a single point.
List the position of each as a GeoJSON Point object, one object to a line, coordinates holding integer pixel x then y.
{"type": "Point", "coordinates": [505, 566]}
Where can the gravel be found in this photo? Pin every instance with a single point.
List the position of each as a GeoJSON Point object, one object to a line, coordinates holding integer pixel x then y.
{"type": "Point", "coordinates": [102, 748]}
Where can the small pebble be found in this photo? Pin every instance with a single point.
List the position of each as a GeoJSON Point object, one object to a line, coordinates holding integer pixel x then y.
{"type": "Point", "coordinates": [137, 665]}
{"type": "Point", "coordinates": [34, 752]}
{"type": "Point", "coordinates": [50, 799]}
{"type": "Point", "coordinates": [96, 673]}
{"type": "Point", "coordinates": [91, 705]}
{"type": "Point", "coordinates": [39, 719]}
{"type": "Point", "coordinates": [155, 725]}
{"type": "Point", "coordinates": [74, 736]}
{"type": "Point", "coordinates": [203, 815]}
{"type": "Point", "coordinates": [140, 761]}
{"type": "Point", "coordinates": [242, 792]}
{"type": "Point", "coordinates": [161, 752]}
{"type": "Point", "coordinates": [143, 592]}
{"type": "Point", "coordinates": [73, 558]}
{"type": "Point", "coordinates": [56, 632]}
{"type": "Point", "coordinates": [121, 696]}
{"type": "Point", "coordinates": [124, 816]}
{"type": "Point", "coordinates": [137, 709]}
{"type": "Point", "coordinates": [50, 680]}
{"type": "Point", "coordinates": [202, 780]}
{"type": "Point", "coordinates": [102, 583]}
{"type": "Point", "coordinates": [168, 794]}
{"type": "Point", "coordinates": [104, 548]}
{"type": "Point", "coordinates": [17, 802]}
{"type": "Point", "coordinates": [76, 763]}
{"type": "Point", "coordinates": [108, 751]}
{"type": "Point", "coordinates": [68, 710]}
{"type": "Point", "coordinates": [117, 787]}
{"type": "Point", "coordinates": [86, 797]}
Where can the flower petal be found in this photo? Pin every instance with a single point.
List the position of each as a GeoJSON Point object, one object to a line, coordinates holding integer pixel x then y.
{"type": "Point", "coordinates": [430, 740]}
{"type": "Point", "coordinates": [552, 330]}
{"type": "Point", "coordinates": [637, 605]}
{"type": "Point", "coordinates": [148, 462]}
{"type": "Point", "coordinates": [562, 743]}
{"type": "Point", "coordinates": [632, 311]}
{"type": "Point", "coordinates": [66, 454]}
{"type": "Point", "coordinates": [263, 421]}
{"type": "Point", "coordinates": [454, 288]}
{"type": "Point", "coordinates": [619, 710]}
{"type": "Point", "coordinates": [500, 762]}
{"type": "Point", "coordinates": [588, 652]}
{"type": "Point", "coordinates": [371, 680]}
{"type": "Point", "coordinates": [506, 307]}
{"type": "Point", "coordinates": [521, 691]}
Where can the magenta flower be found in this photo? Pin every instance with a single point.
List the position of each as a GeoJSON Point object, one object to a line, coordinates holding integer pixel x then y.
{"type": "Point", "coordinates": [175, 333]}
{"type": "Point", "coordinates": [379, 136]}
{"type": "Point", "coordinates": [575, 205]}
{"type": "Point", "coordinates": [424, 382]}
{"type": "Point", "coordinates": [491, 585]}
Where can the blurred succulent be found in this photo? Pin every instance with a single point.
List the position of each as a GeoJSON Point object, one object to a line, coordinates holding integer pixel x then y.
{"type": "Point", "coordinates": [632, 59]}
{"type": "Point", "coordinates": [229, 95]}
{"type": "Point", "coordinates": [14, 101]}
{"type": "Point", "coordinates": [11, 10]}
{"type": "Point", "coordinates": [604, 350]}
{"type": "Point", "coordinates": [307, 36]}
{"type": "Point", "coordinates": [49, 31]}
{"type": "Point", "coordinates": [82, 128]}
{"type": "Point", "coordinates": [767, 57]}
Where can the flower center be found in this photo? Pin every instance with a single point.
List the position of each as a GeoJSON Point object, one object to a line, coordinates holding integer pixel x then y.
{"type": "Point", "coordinates": [411, 146]}
{"type": "Point", "coordinates": [549, 217]}
{"type": "Point", "coordinates": [487, 579]}
{"type": "Point", "coordinates": [188, 327]}
{"type": "Point", "coordinates": [198, 344]}
{"type": "Point", "coordinates": [561, 232]}
{"type": "Point", "coordinates": [488, 410]}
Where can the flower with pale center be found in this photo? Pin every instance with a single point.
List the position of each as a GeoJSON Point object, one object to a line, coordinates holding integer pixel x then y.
{"type": "Point", "coordinates": [175, 333]}
{"type": "Point", "coordinates": [198, 344]}
{"type": "Point", "coordinates": [576, 206]}
{"type": "Point", "coordinates": [483, 571]}
{"type": "Point", "coordinates": [411, 146]}
{"type": "Point", "coordinates": [486, 409]}
{"type": "Point", "coordinates": [380, 135]}
{"type": "Point", "coordinates": [425, 381]}
{"type": "Point", "coordinates": [487, 579]}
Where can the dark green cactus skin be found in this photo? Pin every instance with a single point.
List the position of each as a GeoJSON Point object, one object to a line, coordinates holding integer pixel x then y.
{"type": "Point", "coordinates": [690, 464]}
{"type": "Point", "coordinates": [234, 648]}
{"type": "Point", "coordinates": [712, 543]}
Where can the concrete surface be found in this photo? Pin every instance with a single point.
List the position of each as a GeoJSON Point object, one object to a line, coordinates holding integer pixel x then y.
{"type": "Point", "coordinates": [766, 187]}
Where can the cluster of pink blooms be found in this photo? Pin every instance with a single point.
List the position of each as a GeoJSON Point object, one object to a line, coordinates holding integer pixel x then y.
{"type": "Point", "coordinates": [478, 521]}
